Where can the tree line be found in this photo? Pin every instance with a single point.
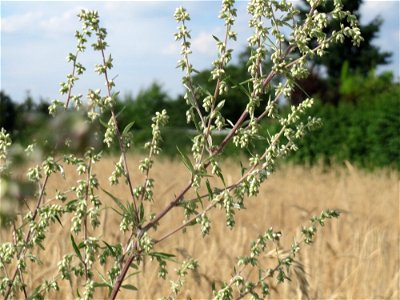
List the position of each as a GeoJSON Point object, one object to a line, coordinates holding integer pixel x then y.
{"type": "Point", "coordinates": [359, 108]}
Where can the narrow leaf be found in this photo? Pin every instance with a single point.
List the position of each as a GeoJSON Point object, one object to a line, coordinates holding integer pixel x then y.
{"type": "Point", "coordinates": [70, 206]}
{"type": "Point", "coordinates": [128, 127]}
{"type": "Point", "coordinates": [129, 287]}
{"type": "Point", "coordinates": [76, 249]}
{"type": "Point", "coordinates": [215, 38]}
{"type": "Point", "coordinates": [222, 178]}
{"type": "Point", "coordinates": [105, 282]}
{"type": "Point", "coordinates": [111, 248]}
{"type": "Point", "coordinates": [210, 192]}
{"type": "Point", "coordinates": [120, 112]}
{"type": "Point", "coordinates": [105, 125]}
{"type": "Point", "coordinates": [118, 212]}
{"type": "Point", "coordinates": [59, 221]}
{"type": "Point", "coordinates": [100, 284]}
{"type": "Point", "coordinates": [163, 255]}
{"type": "Point", "coordinates": [141, 213]}
{"type": "Point", "coordinates": [117, 201]}
{"type": "Point", "coordinates": [132, 274]}
{"type": "Point", "coordinates": [186, 161]}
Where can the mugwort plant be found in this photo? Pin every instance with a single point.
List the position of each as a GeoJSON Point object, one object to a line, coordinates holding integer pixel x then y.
{"type": "Point", "coordinates": [281, 44]}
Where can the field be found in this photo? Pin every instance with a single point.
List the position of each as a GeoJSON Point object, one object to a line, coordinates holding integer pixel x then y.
{"type": "Point", "coordinates": [353, 257]}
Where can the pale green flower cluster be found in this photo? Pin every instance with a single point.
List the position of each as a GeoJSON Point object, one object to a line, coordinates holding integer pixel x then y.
{"type": "Point", "coordinates": [269, 243]}
{"type": "Point", "coordinates": [276, 61]}
{"type": "Point", "coordinates": [5, 143]}
{"type": "Point", "coordinates": [182, 271]}
{"type": "Point", "coordinates": [117, 173]}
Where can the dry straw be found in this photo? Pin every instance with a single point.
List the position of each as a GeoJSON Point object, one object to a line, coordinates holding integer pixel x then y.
{"type": "Point", "coordinates": [97, 261]}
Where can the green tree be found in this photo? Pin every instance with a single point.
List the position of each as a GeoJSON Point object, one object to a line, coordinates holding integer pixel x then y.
{"type": "Point", "coordinates": [7, 112]}
{"type": "Point", "coordinates": [359, 59]}
{"type": "Point", "coordinates": [365, 132]}
{"type": "Point", "coordinates": [141, 109]}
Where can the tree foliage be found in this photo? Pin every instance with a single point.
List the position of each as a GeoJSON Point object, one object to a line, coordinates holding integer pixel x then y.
{"type": "Point", "coordinates": [360, 60]}
{"type": "Point", "coordinates": [364, 128]}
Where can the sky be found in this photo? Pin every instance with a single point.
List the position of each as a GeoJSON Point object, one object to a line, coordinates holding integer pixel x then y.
{"type": "Point", "coordinates": [36, 38]}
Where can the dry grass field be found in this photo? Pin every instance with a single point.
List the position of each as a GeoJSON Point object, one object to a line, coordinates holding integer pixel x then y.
{"type": "Point", "coordinates": [353, 257]}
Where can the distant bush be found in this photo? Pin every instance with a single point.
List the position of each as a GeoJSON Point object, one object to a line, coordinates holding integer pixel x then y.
{"type": "Point", "coordinates": [363, 129]}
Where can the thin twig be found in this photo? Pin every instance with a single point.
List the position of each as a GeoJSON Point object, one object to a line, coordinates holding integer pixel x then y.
{"type": "Point", "coordinates": [190, 83]}
{"type": "Point", "coordinates": [71, 85]}
{"type": "Point", "coordinates": [85, 229]}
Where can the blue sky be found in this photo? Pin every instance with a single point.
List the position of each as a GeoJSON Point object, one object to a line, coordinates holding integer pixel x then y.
{"type": "Point", "coordinates": [37, 36]}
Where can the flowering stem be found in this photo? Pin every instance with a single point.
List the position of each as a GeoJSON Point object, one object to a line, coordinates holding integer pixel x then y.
{"type": "Point", "coordinates": [85, 227]}
{"type": "Point", "coordinates": [27, 237]}
{"type": "Point", "coordinates": [71, 84]}
{"type": "Point", "coordinates": [125, 269]}
{"type": "Point", "coordinates": [120, 140]}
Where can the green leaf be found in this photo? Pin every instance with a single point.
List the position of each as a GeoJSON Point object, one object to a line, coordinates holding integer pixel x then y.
{"type": "Point", "coordinates": [210, 192]}
{"type": "Point", "coordinates": [163, 255]}
{"type": "Point", "coordinates": [241, 87]}
{"type": "Point", "coordinates": [100, 284]}
{"type": "Point", "coordinates": [115, 95]}
{"type": "Point", "coordinates": [213, 288]}
{"type": "Point", "coordinates": [41, 246]}
{"type": "Point", "coordinates": [133, 266]}
{"type": "Point", "coordinates": [129, 287]}
{"type": "Point", "coordinates": [128, 127]}
{"type": "Point", "coordinates": [222, 178]}
{"type": "Point", "coordinates": [81, 245]}
{"type": "Point", "coordinates": [192, 223]}
{"type": "Point", "coordinates": [204, 174]}
{"type": "Point", "coordinates": [105, 125]}
{"type": "Point", "coordinates": [111, 248]}
{"type": "Point", "coordinates": [186, 161]}
{"type": "Point", "coordinates": [120, 112]}
{"type": "Point", "coordinates": [70, 206]}
{"type": "Point", "coordinates": [35, 295]}
{"type": "Point", "coordinates": [105, 282]}
{"type": "Point", "coordinates": [198, 200]}
{"type": "Point", "coordinates": [118, 212]}
{"type": "Point", "coordinates": [141, 213]}
{"type": "Point", "coordinates": [243, 169]}
{"type": "Point", "coordinates": [59, 221]}
{"type": "Point", "coordinates": [76, 249]}
{"type": "Point", "coordinates": [132, 274]}
{"type": "Point", "coordinates": [260, 275]}
{"type": "Point", "coordinates": [132, 214]}
{"type": "Point", "coordinates": [215, 38]}
{"type": "Point", "coordinates": [117, 201]}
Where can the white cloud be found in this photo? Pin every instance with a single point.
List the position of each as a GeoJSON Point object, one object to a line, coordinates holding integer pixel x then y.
{"type": "Point", "coordinates": [45, 20]}
{"type": "Point", "coordinates": [204, 43]}
{"type": "Point", "coordinates": [140, 37]}
{"type": "Point", "coordinates": [19, 22]}
{"type": "Point", "coordinates": [171, 49]}
{"type": "Point", "coordinates": [64, 23]}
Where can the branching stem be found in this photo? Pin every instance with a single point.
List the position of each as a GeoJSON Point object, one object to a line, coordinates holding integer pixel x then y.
{"type": "Point", "coordinates": [27, 237]}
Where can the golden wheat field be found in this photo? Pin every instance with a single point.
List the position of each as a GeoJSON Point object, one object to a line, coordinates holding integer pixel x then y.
{"type": "Point", "coordinates": [353, 257]}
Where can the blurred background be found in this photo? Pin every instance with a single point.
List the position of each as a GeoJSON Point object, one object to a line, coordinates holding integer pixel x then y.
{"type": "Point", "coordinates": [357, 89]}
